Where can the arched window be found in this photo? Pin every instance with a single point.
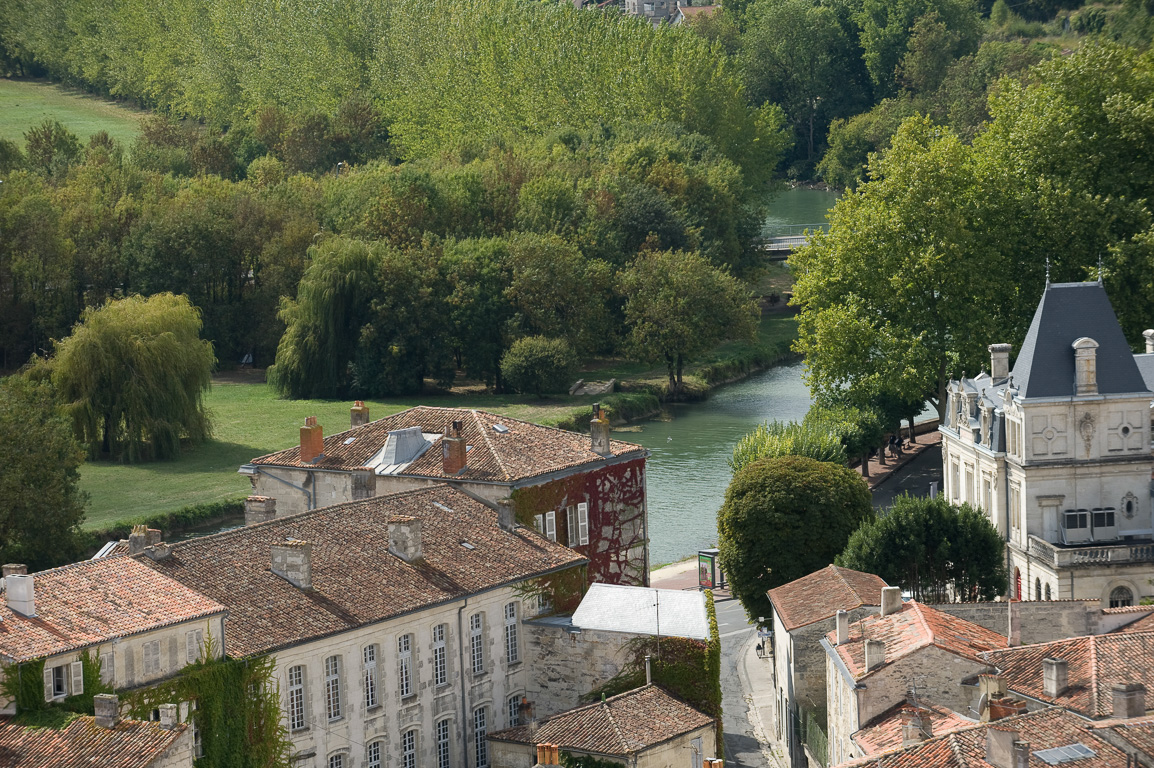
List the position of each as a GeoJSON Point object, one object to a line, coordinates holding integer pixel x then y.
{"type": "Point", "coordinates": [1120, 597]}
{"type": "Point", "coordinates": [1047, 591]}
{"type": "Point", "coordinates": [1037, 589]}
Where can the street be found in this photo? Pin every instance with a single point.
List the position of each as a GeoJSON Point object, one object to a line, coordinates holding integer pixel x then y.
{"type": "Point", "coordinates": [738, 636]}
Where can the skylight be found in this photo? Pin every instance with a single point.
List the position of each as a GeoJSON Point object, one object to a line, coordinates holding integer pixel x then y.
{"type": "Point", "coordinates": [1066, 754]}
{"type": "Point", "coordinates": [467, 545]}
{"type": "Point", "coordinates": [349, 440]}
{"type": "Point", "coordinates": [500, 429]}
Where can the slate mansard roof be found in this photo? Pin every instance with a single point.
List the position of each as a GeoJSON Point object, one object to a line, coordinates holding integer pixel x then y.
{"type": "Point", "coordinates": [355, 579]}
{"type": "Point", "coordinates": [821, 594]}
{"type": "Point", "coordinates": [95, 601]}
{"type": "Point", "coordinates": [500, 449]}
{"type": "Point", "coordinates": [84, 744]}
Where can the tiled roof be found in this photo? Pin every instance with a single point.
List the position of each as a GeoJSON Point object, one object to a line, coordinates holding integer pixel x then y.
{"type": "Point", "coordinates": [966, 748]}
{"type": "Point", "coordinates": [355, 579]}
{"type": "Point", "coordinates": [1093, 665]}
{"type": "Point", "coordinates": [914, 627]}
{"type": "Point", "coordinates": [522, 450]}
{"type": "Point", "coordinates": [1139, 732]}
{"type": "Point", "coordinates": [1144, 624]}
{"type": "Point", "coordinates": [84, 744]}
{"type": "Point", "coordinates": [821, 594]}
{"type": "Point", "coordinates": [95, 601]}
{"type": "Point", "coordinates": [884, 732]}
{"type": "Point", "coordinates": [621, 725]}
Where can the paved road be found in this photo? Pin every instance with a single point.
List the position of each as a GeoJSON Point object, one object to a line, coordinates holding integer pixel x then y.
{"type": "Point", "coordinates": [914, 478]}
{"type": "Point", "coordinates": [742, 749]}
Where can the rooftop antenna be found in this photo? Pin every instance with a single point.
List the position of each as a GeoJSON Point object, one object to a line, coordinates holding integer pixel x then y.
{"type": "Point", "coordinates": [1047, 271]}
{"type": "Point", "coordinates": [1099, 269]}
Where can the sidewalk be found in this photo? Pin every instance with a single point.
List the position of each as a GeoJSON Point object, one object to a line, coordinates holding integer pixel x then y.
{"type": "Point", "coordinates": [880, 473]}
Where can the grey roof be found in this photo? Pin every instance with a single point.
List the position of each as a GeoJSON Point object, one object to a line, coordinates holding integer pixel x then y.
{"type": "Point", "coordinates": [643, 611]}
{"type": "Point", "coordinates": [1146, 366]}
{"type": "Point", "coordinates": [1067, 312]}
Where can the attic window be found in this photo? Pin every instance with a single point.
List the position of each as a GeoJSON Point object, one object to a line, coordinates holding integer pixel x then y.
{"type": "Point", "coordinates": [349, 441]}
{"type": "Point", "coordinates": [1066, 754]}
{"type": "Point", "coordinates": [467, 545]}
{"type": "Point", "coordinates": [500, 429]}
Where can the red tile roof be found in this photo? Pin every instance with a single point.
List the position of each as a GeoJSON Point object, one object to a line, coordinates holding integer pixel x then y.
{"type": "Point", "coordinates": [1139, 732]}
{"type": "Point", "coordinates": [95, 601]}
{"type": "Point", "coordinates": [1144, 624]}
{"type": "Point", "coordinates": [884, 732]}
{"type": "Point", "coordinates": [1093, 665]}
{"type": "Point", "coordinates": [84, 744]}
{"type": "Point", "coordinates": [821, 594]}
{"type": "Point", "coordinates": [524, 450]}
{"type": "Point", "coordinates": [621, 725]}
{"type": "Point", "coordinates": [966, 748]}
{"type": "Point", "coordinates": [914, 627]}
{"type": "Point", "coordinates": [355, 579]}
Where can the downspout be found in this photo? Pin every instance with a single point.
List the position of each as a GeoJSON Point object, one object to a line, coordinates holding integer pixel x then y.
{"type": "Point", "coordinates": [464, 704]}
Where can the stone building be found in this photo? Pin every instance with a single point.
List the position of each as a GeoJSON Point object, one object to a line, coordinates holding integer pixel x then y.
{"type": "Point", "coordinates": [1057, 451]}
{"type": "Point", "coordinates": [396, 622]}
{"type": "Point", "coordinates": [584, 491]}
{"type": "Point", "coordinates": [804, 610]}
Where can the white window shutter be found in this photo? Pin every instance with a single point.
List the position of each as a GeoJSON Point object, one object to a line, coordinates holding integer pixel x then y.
{"type": "Point", "coordinates": [551, 526]}
{"type": "Point", "coordinates": [77, 677]}
{"type": "Point", "coordinates": [583, 522]}
{"type": "Point", "coordinates": [47, 683]}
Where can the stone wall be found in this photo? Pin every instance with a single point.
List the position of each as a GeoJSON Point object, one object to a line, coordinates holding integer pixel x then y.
{"type": "Point", "coordinates": [566, 666]}
{"type": "Point", "coordinates": [179, 755]}
{"type": "Point", "coordinates": [1040, 621]}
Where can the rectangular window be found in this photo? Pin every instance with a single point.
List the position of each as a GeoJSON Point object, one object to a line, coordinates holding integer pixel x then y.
{"type": "Point", "coordinates": [337, 761]}
{"type": "Point", "coordinates": [480, 732]}
{"type": "Point", "coordinates": [514, 707]}
{"type": "Point", "coordinates": [193, 645]}
{"type": "Point", "coordinates": [443, 754]}
{"type": "Point", "coordinates": [551, 525]}
{"type": "Point", "coordinates": [582, 523]}
{"type": "Point", "coordinates": [539, 523]}
{"type": "Point", "coordinates": [373, 755]}
{"type": "Point", "coordinates": [440, 672]}
{"type": "Point", "coordinates": [370, 676]}
{"type": "Point", "coordinates": [59, 682]}
{"type": "Point", "coordinates": [152, 658]}
{"type": "Point", "coordinates": [333, 687]}
{"type": "Point", "coordinates": [409, 749]}
{"type": "Point", "coordinates": [476, 644]}
{"type": "Point", "coordinates": [296, 698]}
{"type": "Point", "coordinates": [405, 665]}
{"type": "Point", "coordinates": [512, 652]}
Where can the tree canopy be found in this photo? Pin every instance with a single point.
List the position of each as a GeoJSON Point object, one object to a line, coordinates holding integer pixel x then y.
{"type": "Point", "coordinates": [783, 518]}
{"type": "Point", "coordinates": [935, 550]}
{"type": "Point", "coordinates": [132, 376]}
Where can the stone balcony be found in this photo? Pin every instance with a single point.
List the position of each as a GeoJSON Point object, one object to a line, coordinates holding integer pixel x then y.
{"type": "Point", "coordinates": [1104, 553]}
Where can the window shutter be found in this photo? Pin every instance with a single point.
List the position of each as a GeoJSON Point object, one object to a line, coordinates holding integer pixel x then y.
{"type": "Point", "coordinates": [583, 522]}
{"type": "Point", "coordinates": [551, 526]}
{"type": "Point", "coordinates": [173, 654]}
{"type": "Point", "coordinates": [129, 667]}
{"type": "Point", "coordinates": [108, 668]}
{"type": "Point", "coordinates": [77, 677]}
{"type": "Point", "coordinates": [47, 683]}
{"type": "Point", "coordinates": [193, 645]}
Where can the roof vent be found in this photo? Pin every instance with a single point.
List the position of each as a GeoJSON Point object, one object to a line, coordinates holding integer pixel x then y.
{"type": "Point", "coordinates": [403, 446]}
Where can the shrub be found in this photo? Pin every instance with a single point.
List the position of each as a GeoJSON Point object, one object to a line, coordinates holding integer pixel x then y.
{"type": "Point", "coordinates": [538, 364]}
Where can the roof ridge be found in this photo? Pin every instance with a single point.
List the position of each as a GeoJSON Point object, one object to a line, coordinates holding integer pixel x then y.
{"type": "Point", "coordinates": [616, 729]}
{"type": "Point", "coordinates": [485, 436]}
{"type": "Point", "coordinates": [925, 624]}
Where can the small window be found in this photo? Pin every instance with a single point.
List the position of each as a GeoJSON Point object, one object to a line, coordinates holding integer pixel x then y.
{"type": "Point", "coordinates": [337, 761]}
{"type": "Point", "coordinates": [59, 681]}
{"type": "Point", "coordinates": [409, 749]}
{"type": "Point", "coordinates": [1047, 591]}
{"type": "Point", "coordinates": [514, 707]}
{"type": "Point", "coordinates": [373, 754]}
{"type": "Point", "coordinates": [296, 698]}
{"type": "Point", "coordinates": [440, 672]}
{"type": "Point", "coordinates": [405, 665]}
{"type": "Point", "coordinates": [443, 744]}
{"type": "Point", "coordinates": [333, 687]}
{"type": "Point", "coordinates": [1121, 597]}
{"type": "Point", "coordinates": [1037, 589]}
{"type": "Point", "coordinates": [480, 734]}
{"type": "Point", "coordinates": [370, 656]}
{"type": "Point", "coordinates": [476, 644]}
{"type": "Point", "coordinates": [512, 651]}
{"type": "Point", "coordinates": [551, 525]}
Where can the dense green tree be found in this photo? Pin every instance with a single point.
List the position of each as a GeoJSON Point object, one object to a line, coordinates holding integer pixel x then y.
{"type": "Point", "coordinates": [538, 364]}
{"type": "Point", "coordinates": [677, 306]}
{"type": "Point", "coordinates": [477, 273]}
{"type": "Point", "coordinates": [51, 148]}
{"type": "Point", "coordinates": [935, 550]}
{"type": "Point", "coordinates": [779, 438]}
{"type": "Point", "coordinates": [43, 507]}
{"type": "Point", "coordinates": [859, 429]}
{"type": "Point", "coordinates": [132, 376]}
{"type": "Point", "coordinates": [783, 518]}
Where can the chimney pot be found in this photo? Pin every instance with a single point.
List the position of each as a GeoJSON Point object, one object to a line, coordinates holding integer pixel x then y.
{"type": "Point", "coordinates": [1055, 677]}
{"type": "Point", "coordinates": [359, 414]}
{"type": "Point", "coordinates": [259, 509]}
{"type": "Point", "coordinates": [292, 561]}
{"type": "Point", "coordinates": [506, 514]}
{"type": "Point", "coordinates": [1129, 700]}
{"type": "Point", "coordinates": [21, 593]}
{"type": "Point", "coordinates": [842, 627]}
{"type": "Point", "coordinates": [875, 654]}
{"type": "Point", "coordinates": [1149, 334]}
{"type": "Point", "coordinates": [599, 432]}
{"type": "Point", "coordinates": [999, 361]}
{"type": "Point", "coordinates": [312, 441]}
{"type": "Point", "coordinates": [454, 451]}
{"type": "Point", "coordinates": [107, 709]}
{"type": "Point", "coordinates": [405, 537]}
{"type": "Point", "coordinates": [168, 718]}
{"type": "Point", "coordinates": [1085, 366]}
{"type": "Point", "coordinates": [891, 600]}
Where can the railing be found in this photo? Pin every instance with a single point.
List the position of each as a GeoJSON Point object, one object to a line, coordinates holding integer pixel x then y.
{"type": "Point", "coordinates": [816, 740]}
{"type": "Point", "coordinates": [1066, 556]}
{"type": "Point", "coordinates": [790, 230]}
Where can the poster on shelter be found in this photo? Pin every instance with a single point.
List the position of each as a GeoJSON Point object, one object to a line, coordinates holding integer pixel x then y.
{"type": "Point", "coordinates": [705, 571]}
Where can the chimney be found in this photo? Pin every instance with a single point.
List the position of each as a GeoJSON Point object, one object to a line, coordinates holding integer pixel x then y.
{"type": "Point", "coordinates": [548, 755]}
{"type": "Point", "coordinates": [1000, 747]}
{"type": "Point", "coordinates": [168, 718]}
{"type": "Point", "coordinates": [1021, 754]}
{"type": "Point", "coordinates": [999, 361]}
{"type": "Point", "coordinates": [454, 449]}
{"type": "Point", "coordinates": [107, 708]}
{"type": "Point", "coordinates": [1149, 334]}
{"type": "Point", "coordinates": [891, 600]}
{"type": "Point", "coordinates": [1055, 677]}
{"type": "Point", "coordinates": [160, 551]}
{"type": "Point", "coordinates": [1004, 707]}
{"type": "Point", "coordinates": [1085, 366]}
{"type": "Point", "coordinates": [259, 509]}
{"type": "Point", "coordinates": [359, 414]}
{"type": "Point", "coordinates": [875, 654]}
{"type": "Point", "coordinates": [1129, 700]}
{"type": "Point", "coordinates": [293, 562]}
{"type": "Point", "coordinates": [916, 726]}
{"type": "Point", "coordinates": [21, 594]}
{"type": "Point", "coordinates": [14, 569]}
{"type": "Point", "coordinates": [405, 537]}
{"type": "Point", "coordinates": [599, 431]}
{"type": "Point", "coordinates": [137, 539]}
{"type": "Point", "coordinates": [648, 670]}
{"type": "Point", "coordinates": [152, 537]}
{"type": "Point", "coordinates": [312, 441]}
{"type": "Point", "coordinates": [506, 514]}
{"type": "Point", "coordinates": [842, 627]}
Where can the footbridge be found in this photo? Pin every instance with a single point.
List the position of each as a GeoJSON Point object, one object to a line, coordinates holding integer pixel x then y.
{"type": "Point", "coordinates": [781, 241]}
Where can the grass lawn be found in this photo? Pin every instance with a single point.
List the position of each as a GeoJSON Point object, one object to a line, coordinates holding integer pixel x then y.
{"type": "Point", "coordinates": [27, 103]}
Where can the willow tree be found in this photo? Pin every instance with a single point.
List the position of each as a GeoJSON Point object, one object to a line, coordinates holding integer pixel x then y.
{"type": "Point", "coordinates": [133, 375]}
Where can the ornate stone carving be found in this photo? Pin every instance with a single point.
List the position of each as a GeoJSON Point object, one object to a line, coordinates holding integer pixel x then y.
{"type": "Point", "coordinates": [1129, 506]}
{"type": "Point", "coordinates": [1086, 428]}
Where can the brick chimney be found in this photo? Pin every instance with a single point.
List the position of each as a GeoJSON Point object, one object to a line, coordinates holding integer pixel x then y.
{"type": "Point", "coordinates": [891, 600]}
{"type": "Point", "coordinates": [999, 361]}
{"type": "Point", "coordinates": [875, 654]}
{"type": "Point", "coordinates": [842, 627]}
{"type": "Point", "coordinates": [548, 755]}
{"type": "Point", "coordinates": [293, 562]}
{"type": "Point", "coordinates": [916, 726]}
{"type": "Point", "coordinates": [599, 431]}
{"type": "Point", "coordinates": [21, 590]}
{"type": "Point", "coordinates": [359, 414]}
{"type": "Point", "coordinates": [506, 514]}
{"type": "Point", "coordinates": [1149, 334]}
{"type": "Point", "coordinates": [1005, 706]}
{"type": "Point", "coordinates": [405, 537]}
{"type": "Point", "coordinates": [259, 509]}
{"type": "Point", "coordinates": [1085, 366]}
{"type": "Point", "coordinates": [107, 708]}
{"type": "Point", "coordinates": [168, 719]}
{"type": "Point", "coordinates": [1055, 677]}
{"type": "Point", "coordinates": [312, 441]}
{"type": "Point", "coordinates": [1129, 700]}
{"type": "Point", "coordinates": [454, 451]}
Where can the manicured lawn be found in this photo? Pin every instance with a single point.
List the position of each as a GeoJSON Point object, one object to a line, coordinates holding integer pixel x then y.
{"type": "Point", "coordinates": [26, 103]}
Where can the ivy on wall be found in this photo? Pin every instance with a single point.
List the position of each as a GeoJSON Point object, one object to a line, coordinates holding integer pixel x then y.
{"type": "Point", "coordinates": [24, 685]}
{"type": "Point", "coordinates": [569, 760]}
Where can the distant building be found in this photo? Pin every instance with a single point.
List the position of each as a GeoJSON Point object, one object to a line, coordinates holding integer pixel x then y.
{"type": "Point", "coordinates": [1057, 451]}
{"type": "Point", "coordinates": [684, 13]}
{"type": "Point", "coordinates": [584, 491]}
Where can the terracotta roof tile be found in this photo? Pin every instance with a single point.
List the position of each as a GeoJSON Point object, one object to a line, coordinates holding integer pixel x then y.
{"type": "Point", "coordinates": [884, 732]}
{"type": "Point", "coordinates": [1093, 665]}
{"type": "Point", "coordinates": [821, 594]}
{"type": "Point", "coordinates": [355, 579]}
{"type": "Point", "coordinates": [914, 627]}
{"type": "Point", "coordinates": [83, 744]}
{"type": "Point", "coordinates": [1144, 624]}
{"type": "Point", "coordinates": [95, 601]}
{"type": "Point", "coordinates": [1139, 733]}
{"type": "Point", "coordinates": [524, 450]}
{"type": "Point", "coordinates": [621, 725]}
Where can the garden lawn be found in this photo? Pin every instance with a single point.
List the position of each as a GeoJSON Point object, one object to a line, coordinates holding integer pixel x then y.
{"type": "Point", "coordinates": [27, 103]}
